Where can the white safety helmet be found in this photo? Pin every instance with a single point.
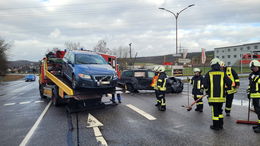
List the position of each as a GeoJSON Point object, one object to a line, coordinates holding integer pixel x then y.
{"type": "Point", "coordinates": [222, 63]}
{"type": "Point", "coordinates": [214, 61]}
{"type": "Point", "coordinates": [254, 63]}
{"type": "Point", "coordinates": [196, 70]}
{"type": "Point", "coordinates": [155, 69]}
{"type": "Point", "coordinates": [161, 69]}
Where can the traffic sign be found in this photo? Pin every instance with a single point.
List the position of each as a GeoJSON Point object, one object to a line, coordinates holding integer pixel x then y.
{"type": "Point", "coordinates": [181, 60]}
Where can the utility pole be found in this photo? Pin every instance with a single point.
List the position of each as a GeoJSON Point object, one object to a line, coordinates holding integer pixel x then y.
{"type": "Point", "coordinates": [130, 51]}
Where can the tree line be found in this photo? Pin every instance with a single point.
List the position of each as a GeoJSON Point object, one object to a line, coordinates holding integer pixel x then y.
{"type": "Point", "coordinates": [4, 47]}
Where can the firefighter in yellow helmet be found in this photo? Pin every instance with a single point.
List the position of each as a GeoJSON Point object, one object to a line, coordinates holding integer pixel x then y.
{"type": "Point", "coordinates": [161, 87]}
{"type": "Point", "coordinates": [231, 73]}
{"type": "Point", "coordinates": [254, 91]}
{"type": "Point", "coordinates": [154, 83]}
{"type": "Point", "coordinates": [198, 89]}
{"type": "Point", "coordinates": [214, 84]}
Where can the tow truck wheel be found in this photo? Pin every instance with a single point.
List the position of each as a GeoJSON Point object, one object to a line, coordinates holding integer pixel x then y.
{"type": "Point", "coordinates": [56, 98]}
{"type": "Point", "coordinates": [130, 87]}
{"type": "Point", "coordinates": [41, 91]}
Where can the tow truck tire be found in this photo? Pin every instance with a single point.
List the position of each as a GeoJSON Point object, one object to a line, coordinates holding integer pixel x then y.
{"type": "Point", "coordinates": [56, 100]}
{"type": "Point", "coordinates": [41, 91]}
{"type": "Point", "coordinates": [130, 87]}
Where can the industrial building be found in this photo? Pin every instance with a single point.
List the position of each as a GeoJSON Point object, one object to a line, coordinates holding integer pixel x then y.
{"type": "Point", "coordinates": [232, 55]}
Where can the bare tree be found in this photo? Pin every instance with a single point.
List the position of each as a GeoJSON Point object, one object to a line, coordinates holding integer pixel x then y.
{"type": "Point", "coordinates": [3, 57]}
{"type": "Point", "coordinates": [102, 47]}
{"type": "Point", "coordinates": [72, 45]}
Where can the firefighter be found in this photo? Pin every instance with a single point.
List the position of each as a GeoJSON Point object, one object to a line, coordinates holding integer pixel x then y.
{"type": "Point", "coordinates": [153, 84]}
{"type": "Point", "coordinates": [161, 87]}
{"type": "Point", "coordinates": [214, 84]}
{"type": "Point", "coordinates": [254, 91]}
{"type": "Point", "coordinates": [197, 90]}
{"type": "Point", "coordinates": [231, 73]}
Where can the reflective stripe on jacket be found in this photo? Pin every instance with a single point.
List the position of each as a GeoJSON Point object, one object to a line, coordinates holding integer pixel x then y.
{"type": "Point", "coordinates": [254, 81]}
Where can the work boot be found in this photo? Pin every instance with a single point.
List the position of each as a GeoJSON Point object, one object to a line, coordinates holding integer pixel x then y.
{"type": "Point", "coordinates": [215, 125]}
{"type": "Point", "coordinates": [221, 123]}
{"type": "Point", "coordinates": [257, 129]}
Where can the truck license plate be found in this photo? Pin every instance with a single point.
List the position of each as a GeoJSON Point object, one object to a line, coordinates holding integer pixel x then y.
{"type": "Point", "coordinates": [105, 82]}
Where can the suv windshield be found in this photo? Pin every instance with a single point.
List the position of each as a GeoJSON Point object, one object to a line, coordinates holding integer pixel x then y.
{"type": "Point", "coordinates": [89, 59]}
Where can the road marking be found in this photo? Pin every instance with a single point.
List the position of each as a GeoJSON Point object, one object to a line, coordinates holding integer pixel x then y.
{"type": "Point", "coordinates": [30, 133]}
{"type": "Point", "coordinates": [92, 122]}
{"type": "Point", "coordinates": [7, 104]}
{"type": "Point", "coordinates": [141, 112]}
{"type": "Point", "coordinates": [38, 101]}
{"type": "Point", "coordinates": [25, 102]}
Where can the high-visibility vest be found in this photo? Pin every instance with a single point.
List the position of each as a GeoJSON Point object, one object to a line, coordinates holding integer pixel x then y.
{"type": "Point", "coordinates": [254, 87]}
{"type": "Point", "coordinates": [230, 75]}
{"type": "Point", "coordinates": [154, 81]}
{"type": "Point", "coordinates": [216, 87]}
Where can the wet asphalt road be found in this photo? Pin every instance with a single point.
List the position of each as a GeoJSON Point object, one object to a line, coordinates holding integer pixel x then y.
{"type": "Point", "coordinates": [20, 106]}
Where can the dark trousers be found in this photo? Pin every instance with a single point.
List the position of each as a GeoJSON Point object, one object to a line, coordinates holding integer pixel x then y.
{"type": "Point", "coordinates": [161, 98]}
{"type": "Point", "coordinates": [217, 115]}
{"type": "Point", "coordinates": [157, 96]}
{"type": "Point", "coordinates": [199, 103]}
{"type": "Point", "coordinates": [256, 103]}
{"type": "Point", "coordinates": [229, 100]}
{"type": "Point", "coordinates": [118, 97]}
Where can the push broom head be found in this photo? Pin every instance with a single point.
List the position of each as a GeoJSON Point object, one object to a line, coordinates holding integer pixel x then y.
{"type": "Point", "coordinates": [247, 122]}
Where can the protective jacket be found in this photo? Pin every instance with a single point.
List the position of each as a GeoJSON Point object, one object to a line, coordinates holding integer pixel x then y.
{"type": "Point", "coordinates": [215, 83]}
{"type": "Point", "coordinates": [197, 82]}
{"type": "Point", "coordinates": [254, 85]}
{"type": "Point", "coordinates": [161, 81]}
{"type": "Point", "coordinates": [231, 73]}
{"type": "Point", "coordinates": [154, 81]}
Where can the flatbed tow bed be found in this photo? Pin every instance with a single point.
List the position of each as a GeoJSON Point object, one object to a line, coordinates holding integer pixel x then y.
{"type": "Point", "coordinates": [59, 90]}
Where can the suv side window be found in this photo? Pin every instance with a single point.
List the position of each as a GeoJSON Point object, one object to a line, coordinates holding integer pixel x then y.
{"type": "Point", "coordinates": [139, 74]}
{"type": "Point", "coordinates": [127, 74]}
{"type": "Point", "coordinates": [150, 74]}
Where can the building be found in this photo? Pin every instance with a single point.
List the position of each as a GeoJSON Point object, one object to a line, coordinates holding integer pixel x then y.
{"type": "Point", "coordinates": [231, 55]}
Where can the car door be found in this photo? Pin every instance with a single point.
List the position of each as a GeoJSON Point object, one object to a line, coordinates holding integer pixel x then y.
{"type": "Point", "coordinates": [141, 78]}
{"type": "Point", "coordinates": [146, 80]}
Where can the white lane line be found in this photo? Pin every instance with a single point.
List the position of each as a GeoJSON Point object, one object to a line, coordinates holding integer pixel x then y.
{"type": "Point", "coordinates": [25, 102]}
{"type": "Point", "coordinates": [141, 112]}
{"type": "Point", "coordinates": [92, 122]}
{"type": "Point", "coordinates": [30, 133]}
{"type": "Point", "coordinates": [38, 101]}
{"type": "Point", "coordinates": [7, 104]}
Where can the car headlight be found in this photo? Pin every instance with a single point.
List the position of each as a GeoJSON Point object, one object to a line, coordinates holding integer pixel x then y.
{"type": "Point", "coordinates": [85, 76]}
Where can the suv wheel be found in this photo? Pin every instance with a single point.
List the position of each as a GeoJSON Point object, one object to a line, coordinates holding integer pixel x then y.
{"type": "Point", "coordinates": [130, 87]}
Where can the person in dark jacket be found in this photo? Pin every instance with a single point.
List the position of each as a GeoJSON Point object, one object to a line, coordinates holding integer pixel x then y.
{"type": "Point", "coordinates": [254, 90]}
{"type": "Point", "coordinates": [198, 88]}
{"type": "Point", "coordinates": [161, 87]}
{"type": "Point", "coordinates": [231, 73]}
{"type": "Point", "coordinates": [214, 83]}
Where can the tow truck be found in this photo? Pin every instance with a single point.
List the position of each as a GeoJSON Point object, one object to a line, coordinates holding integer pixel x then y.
{"type": "Point", "coordinates": [54, 86]}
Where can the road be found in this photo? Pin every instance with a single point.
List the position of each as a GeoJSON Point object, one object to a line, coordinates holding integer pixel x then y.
{"type": "Point", "coordinates": [21, 106]}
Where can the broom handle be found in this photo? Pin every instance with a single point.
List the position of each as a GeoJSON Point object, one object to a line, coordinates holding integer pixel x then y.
{"type": "Point", "coordinates": [249, 104]}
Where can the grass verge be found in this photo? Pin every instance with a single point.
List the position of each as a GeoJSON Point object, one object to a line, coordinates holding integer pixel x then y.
{"type": "Point", "coordinates": [10, 77]}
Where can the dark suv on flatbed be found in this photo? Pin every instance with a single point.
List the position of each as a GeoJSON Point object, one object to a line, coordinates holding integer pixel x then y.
{"type": "Point", "coordinates": [140, 79]}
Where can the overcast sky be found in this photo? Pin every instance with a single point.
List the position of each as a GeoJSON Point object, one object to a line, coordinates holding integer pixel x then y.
{"type": "Point", "coordinates": [33, 26]}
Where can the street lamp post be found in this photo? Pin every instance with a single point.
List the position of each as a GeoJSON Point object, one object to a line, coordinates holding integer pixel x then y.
{"type": "Point", "coordinates": [176, 17]}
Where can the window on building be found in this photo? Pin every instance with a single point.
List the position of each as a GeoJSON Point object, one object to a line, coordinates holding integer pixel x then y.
{"type": "Point", "coordinates": [235, 56]}
{"type": "Point", "coordinates": [256, 47]}
{"type": "Point", "coordinates": [235, 49]}
{"type": "Point", "coordinates": [223, 57]}
{"type": "Point", "coordinates": [217, 56]}
{"type": "Point", "coordinates": [248, 48]}
{"type": "Point", "coordinates": [228, 56]}
{"type": "Point", "coordinates": [228, 50]}
{"type": "Point", "coordinates": [223, 50]}
{"type": "Point", "coordinates": [228, 63]}
{"type": "Point", "coordinates": [241, 48]}
{"type": "Point", "coordinates": [217, 51]}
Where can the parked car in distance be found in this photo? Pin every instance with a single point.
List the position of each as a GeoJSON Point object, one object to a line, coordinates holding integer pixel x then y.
{"type": "Point", "coordinates": [30, 77]}
{"type": "Point", "coordinates": [86, 69]}
{"type": "Point", "coordinates": [140, 79]}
